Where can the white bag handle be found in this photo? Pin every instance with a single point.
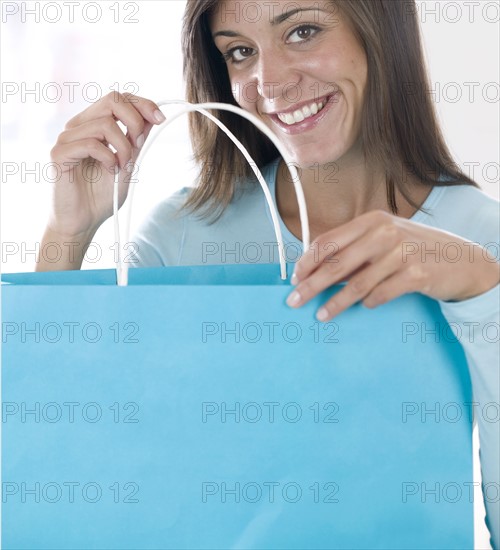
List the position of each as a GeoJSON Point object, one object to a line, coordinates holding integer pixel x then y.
{"type": "Point", "coordinates": [122, 268]}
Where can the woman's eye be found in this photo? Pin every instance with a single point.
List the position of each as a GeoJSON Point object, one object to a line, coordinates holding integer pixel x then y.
{"type": "Point", "coordinates": [238, 54]}
{"type": "Point", "coordinates": [302, 34]}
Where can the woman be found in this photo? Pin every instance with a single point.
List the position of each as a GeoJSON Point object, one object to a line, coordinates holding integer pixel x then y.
{"type": "Point", "coordinates": [343, 85]}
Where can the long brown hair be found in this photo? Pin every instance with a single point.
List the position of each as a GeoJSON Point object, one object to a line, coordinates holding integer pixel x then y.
{"type": "Point", "coordinates": [399, 128]}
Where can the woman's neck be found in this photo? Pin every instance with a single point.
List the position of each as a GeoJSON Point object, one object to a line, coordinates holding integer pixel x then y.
{"type": "Point", "coordinates": [339, 192]}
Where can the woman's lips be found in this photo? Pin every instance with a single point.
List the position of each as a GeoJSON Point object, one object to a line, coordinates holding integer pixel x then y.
{"type": "Point", "coordinates": [310, 122]}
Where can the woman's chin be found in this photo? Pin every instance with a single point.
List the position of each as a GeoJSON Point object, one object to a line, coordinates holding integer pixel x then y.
{"type": "Point", "coordinates": [312, 157]}
{"type": "Point", "coordinates": [311, 162]}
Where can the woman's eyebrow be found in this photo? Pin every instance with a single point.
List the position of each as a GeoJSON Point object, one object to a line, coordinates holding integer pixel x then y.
{"type": "Point", "coordinates": [284, 16]}
{"type": "Point", "coordinates": [230, 34]}
{"type": "Point", "coordinates": [275, 21]}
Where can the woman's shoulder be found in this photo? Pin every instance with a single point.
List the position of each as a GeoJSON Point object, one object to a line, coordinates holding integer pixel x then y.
{"type": "Point", "coordinates": [173, 234]}
{"type": "Point", "coordinates": [468, 194]}
{"type": "Point", "coordinates": [155, 241]}
{"type": "Point", "coordinates": [466, 211]}
{"type": "Point", "coordinates": [172, 211]}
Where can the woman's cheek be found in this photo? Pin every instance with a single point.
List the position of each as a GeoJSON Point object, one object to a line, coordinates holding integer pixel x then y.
{"type": "Point", "coordinates": [245, 94]}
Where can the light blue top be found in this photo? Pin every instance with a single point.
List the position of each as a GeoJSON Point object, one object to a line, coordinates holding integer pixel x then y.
{"type": "Point", "coordinates": [244, 234]}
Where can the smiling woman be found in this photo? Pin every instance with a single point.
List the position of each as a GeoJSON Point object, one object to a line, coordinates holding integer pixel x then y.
{"type": "Point", "coordinates": [343, 85]}
{"type": "Point", "coordinates": [362, 61]}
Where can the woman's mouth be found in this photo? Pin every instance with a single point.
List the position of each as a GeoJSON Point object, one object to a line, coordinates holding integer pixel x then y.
{"type": "Point", "coordinates": [301, 114]}
{"type": "Point", "coordinates": [305, 118]}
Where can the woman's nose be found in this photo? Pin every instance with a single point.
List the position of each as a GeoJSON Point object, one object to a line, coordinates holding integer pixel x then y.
{"type": "Point", "coordinates": [273, 75]}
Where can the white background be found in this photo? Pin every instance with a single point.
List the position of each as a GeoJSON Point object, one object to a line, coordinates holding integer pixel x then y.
{"type": "Point", "coordinates": [135, 46]}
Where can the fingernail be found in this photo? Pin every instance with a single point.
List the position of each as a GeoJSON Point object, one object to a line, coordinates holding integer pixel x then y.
{"type": "Point", "coordinates": [294, 279]}
{"type": "Point", "coordinates": [140, 141]}
{"type": "Point", "coordinates": [322, 314]}
{"type": "Point", "coordinates": [293, 299]}
{"type": "Point", "coordinates": [159, 116]}
{"type": "Point", "coordinates": [129, 167]}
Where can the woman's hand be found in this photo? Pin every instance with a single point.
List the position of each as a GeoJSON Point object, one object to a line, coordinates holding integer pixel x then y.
{"type": "Point", "coordinates": [384, 256]}
{"type": "Point", "coordinates": [83, 195]}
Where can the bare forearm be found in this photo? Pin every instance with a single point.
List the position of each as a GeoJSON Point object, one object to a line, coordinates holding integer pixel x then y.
{"type": "Point", "coordinates": [69, 251]}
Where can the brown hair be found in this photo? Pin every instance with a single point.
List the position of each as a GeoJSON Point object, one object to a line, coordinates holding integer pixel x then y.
{"type": "Point", "coordinates": [399, 128]}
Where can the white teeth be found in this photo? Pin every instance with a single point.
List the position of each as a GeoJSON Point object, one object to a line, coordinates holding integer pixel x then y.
{"type": "Point", "coordinates": [298, 116]}
{"type": "Point", "coordinates": [301, 114]}
{"type": "Point", "coordinates": [306, 111]}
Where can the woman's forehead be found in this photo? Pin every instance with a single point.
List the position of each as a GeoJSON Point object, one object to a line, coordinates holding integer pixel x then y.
{"type": "Point", "coordinates": [270, 12]}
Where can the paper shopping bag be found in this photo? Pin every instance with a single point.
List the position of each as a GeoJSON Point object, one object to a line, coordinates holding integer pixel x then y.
{"type": "Point", "coordinates": [194, 409]}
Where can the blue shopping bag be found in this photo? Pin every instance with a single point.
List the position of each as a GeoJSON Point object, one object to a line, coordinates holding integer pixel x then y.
{"type": "Point", "coordinates": [194, 409]}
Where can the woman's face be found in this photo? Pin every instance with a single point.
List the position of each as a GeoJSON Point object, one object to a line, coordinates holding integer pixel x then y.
{"type": "Point", "coordinates": [299, 67]}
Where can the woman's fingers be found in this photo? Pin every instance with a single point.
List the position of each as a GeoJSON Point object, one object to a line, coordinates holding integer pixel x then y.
{"type": "Point", "coordinates": [147, 130]}
{"type": "Point", "coordinates": [367, 249]}
{"type": "Point", "coordinates": [68, 154]}
{"type": "Point", "coordinates": [368, 282]}
{"type": "Point", "coordinates": [132, 111]}
{"type": "Point", "coordinates": [103, 129]}
{"type": "Point", "coordinates": [401, 282]}
{"type": "Point", "coordinates": [325, 248]}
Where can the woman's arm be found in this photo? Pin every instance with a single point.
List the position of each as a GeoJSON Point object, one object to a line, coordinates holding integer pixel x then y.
{"type": "Point", "coordinates": [72, 248]}
{"type": "Point", "coordinates": [477, 321]}
{"type": "Point", "coordinates": [82, 197]}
